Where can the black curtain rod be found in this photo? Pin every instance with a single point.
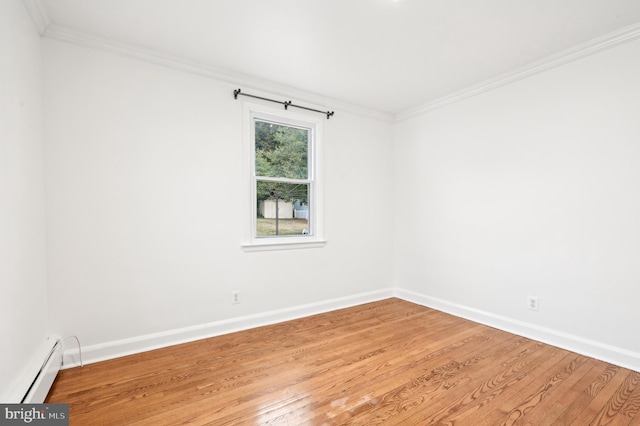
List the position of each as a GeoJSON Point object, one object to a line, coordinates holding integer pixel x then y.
{"type": "Point", "coordinates": [286, 104]}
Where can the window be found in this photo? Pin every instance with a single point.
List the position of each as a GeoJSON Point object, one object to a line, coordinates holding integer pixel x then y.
{"type": "Point", "coordinates": [283, 159]}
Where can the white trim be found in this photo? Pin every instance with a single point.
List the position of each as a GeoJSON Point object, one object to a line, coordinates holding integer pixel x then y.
{"type": "Point", "coordinates": [60, 33]}
{"type": "Point", "coordinates": [580, 51]}
{"type": "Point", "coordinates": [591, 348]}
{"type": "Point", "coordinates": [118, 348]}
{"type": "Point", "coordinates": [57, 32]}
{"type": "Point", "coordinates": [282, 245]}
{"type": "Point", "coordinates": [38, 14]}
{"type": "Point", "coordinates": [114, 349]}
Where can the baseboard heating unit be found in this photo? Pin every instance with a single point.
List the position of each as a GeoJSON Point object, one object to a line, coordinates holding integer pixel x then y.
{"type": "Point", "coordinates": [43, 372]}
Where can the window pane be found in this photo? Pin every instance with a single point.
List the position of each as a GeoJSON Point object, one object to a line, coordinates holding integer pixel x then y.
{"type": "Point", "coordinates": [283, 209]}
{"type": "Point", "coordinates": [281, 151]}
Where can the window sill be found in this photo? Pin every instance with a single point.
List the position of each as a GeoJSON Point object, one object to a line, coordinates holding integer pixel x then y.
{"type": "Point", "coordinates": [282, 245]}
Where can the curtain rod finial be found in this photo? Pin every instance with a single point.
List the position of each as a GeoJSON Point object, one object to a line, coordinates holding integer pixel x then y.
{"type": "Point", "coordinates": [236, 93]}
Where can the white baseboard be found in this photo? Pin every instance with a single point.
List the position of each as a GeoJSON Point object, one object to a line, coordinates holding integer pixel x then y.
{"type": "Point", "coordinates": [109, 350]}
{"type": "Point", "coordinates": [118, 348]}
{"type": "Point", "coordinates": [611, 354]}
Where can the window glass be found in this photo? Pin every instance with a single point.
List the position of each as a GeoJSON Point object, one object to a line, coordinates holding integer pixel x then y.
{"type": "Point", "coordinates": [283, 209]}
{"type": "Point", "coordinates": [282, 179]}
{"type": "Point", "coordinates": [281, 151]}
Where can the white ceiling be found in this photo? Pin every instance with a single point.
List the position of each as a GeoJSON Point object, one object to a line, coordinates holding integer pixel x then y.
{"type": "Point", "coordinates": [385, 55]}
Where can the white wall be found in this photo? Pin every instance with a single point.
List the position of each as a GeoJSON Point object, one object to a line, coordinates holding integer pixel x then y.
{"type": "Point", "coordinates": [530, 189]}
{"type": "Point", "coordinates": [23, 293]}
{"type": "Point", "coordinates": [143, 162]}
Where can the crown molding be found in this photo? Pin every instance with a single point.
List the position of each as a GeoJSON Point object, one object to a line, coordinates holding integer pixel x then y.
{"type": "Point", "coordinates": [60, 33]}
{"type": "Point", "coordinates": [50, 30]}
{"type": "Point", "coordinates": [580, 51]}
{"type": "Point", "coordinates": [39, 15]}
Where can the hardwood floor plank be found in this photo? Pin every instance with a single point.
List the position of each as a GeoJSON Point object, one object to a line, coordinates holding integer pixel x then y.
{"type": "Point", "coordinates": [612, 412]}
{"type": "Point", "coordinates": [632, 404]}
{"type": "Point", "coordinates": [570, 391]}
{"type": "Point", "coordinates": [584, 392]}
{"type": "Point", "coordinates": [533, 406]}
{"type": "Point", "coordinates": [492, 384]}
{"type": "Point", "coordinates": [600, 391]}
{"type": "Point", "coordinates": [432, 389]}
{"type": "Point", "coordinates": [383, 361]}
{"type": "Point", "coordinates": [388, 362]}
{"type": "Point", "coordinates": [518, 402]}
{"type": "Point", "coordinates": [387, 368]}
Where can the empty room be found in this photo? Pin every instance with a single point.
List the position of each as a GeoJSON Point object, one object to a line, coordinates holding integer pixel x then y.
{"type": "Point", "coordinates": [304, 212]}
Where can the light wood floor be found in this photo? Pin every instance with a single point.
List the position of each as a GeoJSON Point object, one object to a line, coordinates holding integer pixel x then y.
{"type": "Point", "coordinates": [389, 362]}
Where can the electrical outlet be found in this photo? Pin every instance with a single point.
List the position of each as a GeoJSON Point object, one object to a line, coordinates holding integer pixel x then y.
{"type": "Point", "coordinates": [235, 297]}
{"type": "Point", "coordinates": [533, 303]}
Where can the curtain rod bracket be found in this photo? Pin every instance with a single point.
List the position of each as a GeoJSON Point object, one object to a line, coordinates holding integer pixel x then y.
{"type": "Point", "coordinates": [286, 104]}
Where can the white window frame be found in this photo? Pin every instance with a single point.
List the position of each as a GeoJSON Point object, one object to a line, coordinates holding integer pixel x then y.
{"type": "Point", "coordinates": [315, 238]}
